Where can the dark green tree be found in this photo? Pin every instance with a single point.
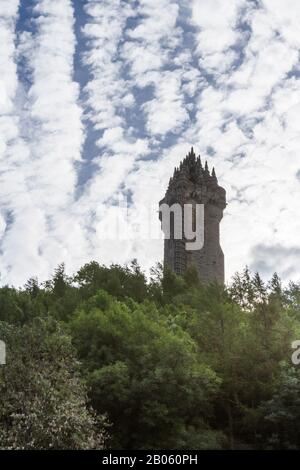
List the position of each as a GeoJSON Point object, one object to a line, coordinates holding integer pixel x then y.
{"type": "Point", "coordinates": [43, 403]}
{"type": "Point", "coordinates": [145, 374]}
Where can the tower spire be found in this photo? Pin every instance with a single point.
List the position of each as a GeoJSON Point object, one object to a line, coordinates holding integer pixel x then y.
{"type": "Point", "coordinates": [193, 183]}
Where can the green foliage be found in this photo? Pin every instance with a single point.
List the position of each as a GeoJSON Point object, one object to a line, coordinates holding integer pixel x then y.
{"type": "Point", "coordinates": [143, 373]}
{"type": "Point", "coordinates": [171, 362]}
{"type": "Point", "coordinates": [121, 282]}
{"type": "Point", "coordinates": [282, 412]}
{"type": "Point", "coordinates": [43, 402]}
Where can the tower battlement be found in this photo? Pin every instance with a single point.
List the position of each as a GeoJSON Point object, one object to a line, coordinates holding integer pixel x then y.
{"type": "Point", "coordinates": [191, 179]}
{"type": "Point", "coordinates": [192, 183]}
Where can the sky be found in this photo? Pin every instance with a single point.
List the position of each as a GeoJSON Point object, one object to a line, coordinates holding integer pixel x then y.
{"type": "Point", "coordinates": [100, 99]}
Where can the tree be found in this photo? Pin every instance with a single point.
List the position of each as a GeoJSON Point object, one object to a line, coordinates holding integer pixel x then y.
{"type": "Point", "coordinates": [275, 285]}
{"type": "Point", "coordinates": [43, 402]}
{"type": "Point", "coordinates": [173, 362]}
{"type": "Point", "coordinates": [242, 289]}
{"type": "Point", "coordinates": [145, 375]}
{"type": "Point", "coordinates": [60, 281]}
{"type": "Point", "coordinates": [119, 281]}
{"type": "Point", "coordinates": [260, 290]}
{"type": "Point", "coordinates": [282, 412]}
{"type": "Point", "coordinates": [32, 287]}
{"type": "Point", "coordinates": [155, 285]}
{"type": "Point", "coordinates": [172, 285]}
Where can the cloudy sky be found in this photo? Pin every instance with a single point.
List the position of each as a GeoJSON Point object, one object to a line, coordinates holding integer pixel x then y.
{"type": "Point", "coordinates": [101, 98]}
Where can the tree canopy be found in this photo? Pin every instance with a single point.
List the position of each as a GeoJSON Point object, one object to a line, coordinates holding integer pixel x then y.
{"type": "Point", "coordinates": [107, 357]}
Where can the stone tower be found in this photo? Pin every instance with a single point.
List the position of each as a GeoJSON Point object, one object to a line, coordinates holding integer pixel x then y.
{"type": "Point", "coordinates": [193, 184]}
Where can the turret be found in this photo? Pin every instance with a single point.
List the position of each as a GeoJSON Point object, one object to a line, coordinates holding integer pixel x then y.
{"type": "Point", "coordinates": [193, 184]}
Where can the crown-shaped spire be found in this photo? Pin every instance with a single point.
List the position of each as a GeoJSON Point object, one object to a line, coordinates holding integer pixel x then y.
{"type": "Point", "coordinates": [191, 169]}
{"type": "Point", "coordinates": [206, 170]}
{"type": "Point", "coordinates": [192, 153]}
{"type": "Point", "coordinates": [213, 174]}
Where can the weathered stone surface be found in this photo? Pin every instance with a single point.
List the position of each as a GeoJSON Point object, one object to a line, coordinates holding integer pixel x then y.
{"type": "Point", "coordinates": [193, 184]}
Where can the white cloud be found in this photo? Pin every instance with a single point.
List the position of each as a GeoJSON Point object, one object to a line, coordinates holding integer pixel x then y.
{"type": "Point", "coordinates": [285, 17]}
{"type": "Point", "coordinates": [107, 89]}
{"type": "Point", "coordinates": [149, 48]}
{"type": "Point", "coordinates": [12, 149]}
{"type": "Point", "coordinates": [166, 112]}
{"type": "Point", "coordinates": [224, 79]}
{"type": "Point", "coordinates": [44, 174]}
{"type": "Point", "coordinates": [216, 21]}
